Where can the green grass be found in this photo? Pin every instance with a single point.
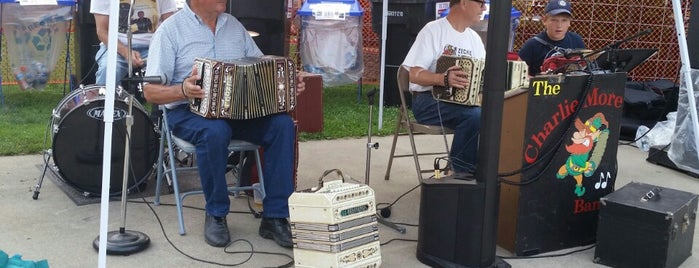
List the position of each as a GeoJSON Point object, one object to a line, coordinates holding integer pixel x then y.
{"type": "Point", "coordinates": [25, 115]}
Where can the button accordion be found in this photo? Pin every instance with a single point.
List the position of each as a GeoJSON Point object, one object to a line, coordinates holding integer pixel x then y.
{"type": "Point", "coordinates": [245, 88]}
{"type": "Point", "coordinates": [470, 95]}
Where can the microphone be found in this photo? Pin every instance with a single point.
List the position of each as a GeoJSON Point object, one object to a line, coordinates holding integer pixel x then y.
{"type": "Point", "coordinates": [155, 79]}
{"type": "Point", "coordinates": [637, 35]}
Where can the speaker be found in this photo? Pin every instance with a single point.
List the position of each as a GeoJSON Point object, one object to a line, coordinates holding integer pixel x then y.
{"type": "Point", "coordinates": [266, 17]}
{"type": "Point", "coordinates": [88, 44]}
{"type": "Point", "coordinates": [451, 223]}
{"type": "Point", "coordinates": [405, 20]}
{"type": "Point", "coordinates": [693, 36]}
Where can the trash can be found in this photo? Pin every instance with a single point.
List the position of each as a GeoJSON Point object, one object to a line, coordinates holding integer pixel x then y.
{"type": "Point", "coordinates": [35, 34]}
{"type": "Point", "coordinates": [331, 40]}
{"type": "Point", "coordinates": [405, 20]}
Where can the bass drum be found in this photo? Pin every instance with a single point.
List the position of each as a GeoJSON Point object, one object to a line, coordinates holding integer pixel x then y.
{"type": "Point", "coordinates": [78, 139]}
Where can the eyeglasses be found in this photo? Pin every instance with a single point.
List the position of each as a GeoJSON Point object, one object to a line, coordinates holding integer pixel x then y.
{"type": "Point", "coordinates": [481, 2]}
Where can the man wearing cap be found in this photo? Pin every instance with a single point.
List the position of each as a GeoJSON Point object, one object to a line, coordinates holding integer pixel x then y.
{"type": "Point", "coordinates": [554, 39]}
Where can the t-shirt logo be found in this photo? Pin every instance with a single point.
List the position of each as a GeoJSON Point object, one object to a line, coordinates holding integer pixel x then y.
{"type": "Point", "coordinates": [450, 50]}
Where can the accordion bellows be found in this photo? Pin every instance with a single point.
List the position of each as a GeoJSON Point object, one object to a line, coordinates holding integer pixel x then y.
{"type": "Point", "coordinates": [245, 88]}
{"type": "Point", "coordinates": [471, 94]}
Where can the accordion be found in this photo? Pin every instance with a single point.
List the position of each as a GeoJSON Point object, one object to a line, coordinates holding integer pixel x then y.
{"type": "Point", "coordinates": [245, 88]}
{"type": "Point", "coordinates": [471, 94]}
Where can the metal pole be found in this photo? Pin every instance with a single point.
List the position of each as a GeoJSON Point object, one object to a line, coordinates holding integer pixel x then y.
{"type": "Point", "coordinates": [686, 68]}
{"type": "Point", "coordinates": [108, 120]}
{"type": "Point", "coordinates": [491, 118]}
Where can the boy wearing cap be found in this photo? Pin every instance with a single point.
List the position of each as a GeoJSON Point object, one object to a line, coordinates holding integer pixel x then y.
{"type": "Point", "coordinates": [555, 38]}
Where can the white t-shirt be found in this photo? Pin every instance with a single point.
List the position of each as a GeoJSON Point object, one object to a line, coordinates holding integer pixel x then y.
{"type": "Point", "coordinates": [438, 38]}
{"type": "Point", "coordinates": [143, 22]}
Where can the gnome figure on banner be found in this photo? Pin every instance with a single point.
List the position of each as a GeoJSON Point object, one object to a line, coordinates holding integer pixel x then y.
{"type": "Point", "coordinates": [586, 150]}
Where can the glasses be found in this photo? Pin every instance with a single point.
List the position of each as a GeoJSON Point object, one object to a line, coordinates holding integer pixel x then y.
{"type": "Point", "coordinates": [481, 2]}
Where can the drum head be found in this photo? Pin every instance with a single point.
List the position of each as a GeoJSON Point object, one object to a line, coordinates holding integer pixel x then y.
{"type": "Point", "coordinates": [79, 138]}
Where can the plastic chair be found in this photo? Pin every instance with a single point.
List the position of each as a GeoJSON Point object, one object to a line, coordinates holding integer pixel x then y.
{"type": "Point", "coordinates": [407, 126]}
{"type": "Point", "coordinates": [170, 169]}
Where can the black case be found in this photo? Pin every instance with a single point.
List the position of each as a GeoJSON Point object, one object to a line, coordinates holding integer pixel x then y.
{"type": "Point", "coordinates": [642, 225]}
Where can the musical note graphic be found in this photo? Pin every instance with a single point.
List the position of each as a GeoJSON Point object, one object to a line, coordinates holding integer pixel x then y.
{"type": "Point", "coordinates": [602, 183]}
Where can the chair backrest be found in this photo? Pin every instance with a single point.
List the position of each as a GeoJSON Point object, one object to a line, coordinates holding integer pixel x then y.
{"type": "Point", "coordinates": [403, 79]}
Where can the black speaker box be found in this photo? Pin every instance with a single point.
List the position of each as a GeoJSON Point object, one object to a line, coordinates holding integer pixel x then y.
{"type": "Point", "coordinates": [693, 36]}
{"type": "Point", "coordinates": [642, 225]}
{"type": "Point", "coordinates": [88, 44]}
{"type": "Point", "coordinates": [266, 17]}
{"type": "Point", "coordinates": [451, 223]}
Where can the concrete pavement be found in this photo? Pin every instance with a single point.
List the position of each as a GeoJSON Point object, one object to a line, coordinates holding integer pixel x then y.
{"type": "Point", "coordinates": [54, 228]}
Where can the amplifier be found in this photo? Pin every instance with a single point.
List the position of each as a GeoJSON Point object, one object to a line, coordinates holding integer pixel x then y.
{"type": "Point", "coordinates": [642, 225]}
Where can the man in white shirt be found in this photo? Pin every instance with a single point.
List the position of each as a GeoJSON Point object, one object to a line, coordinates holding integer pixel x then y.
{"type": "Point", "coordinates": [452, 36]}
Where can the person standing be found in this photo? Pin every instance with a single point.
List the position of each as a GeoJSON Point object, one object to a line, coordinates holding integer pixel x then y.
{"type": "Point", "coordinates": [140, 39]}
{"type": "Point", "coordinates": [554, 39]}
{"type": "Point", "coordinates": [450, 36]}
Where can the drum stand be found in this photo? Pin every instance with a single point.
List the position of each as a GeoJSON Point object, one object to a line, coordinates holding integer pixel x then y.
{"type": "Point", "coordinates": [385, 212]}
{"type": "Point", "coordinates": [125, 242]}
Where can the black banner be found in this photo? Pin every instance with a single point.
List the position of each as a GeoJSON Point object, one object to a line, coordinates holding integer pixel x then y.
{"type": "Point", "coordinates": [569, 156]}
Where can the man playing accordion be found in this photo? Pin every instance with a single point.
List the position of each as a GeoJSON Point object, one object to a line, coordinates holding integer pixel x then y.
{"type": "Point", "coordinates": [451, 36]}
{"type": "Point", "coordinates": [203, 29]}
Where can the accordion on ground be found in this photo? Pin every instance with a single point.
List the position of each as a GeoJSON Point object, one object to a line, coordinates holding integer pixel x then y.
{"type": "Point", "coordinates": [471, 94]}
{"type": "Point", "coordinates": [335, 226]}
{"type": "Point", "coordinates": [245, 88]}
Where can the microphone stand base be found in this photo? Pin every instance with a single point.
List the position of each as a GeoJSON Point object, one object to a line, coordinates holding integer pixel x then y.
{"type": "Point", "coordinates": [124, 242]}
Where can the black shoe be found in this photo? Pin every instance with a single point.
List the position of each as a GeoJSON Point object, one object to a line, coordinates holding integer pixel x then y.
{"type": "Point", "coordinates": [216, 231]}
{"type": "Point", "coordinates": [277, 229]}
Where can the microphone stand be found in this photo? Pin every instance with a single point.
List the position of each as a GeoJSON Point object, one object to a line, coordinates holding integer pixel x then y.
{"type": "Point", "coordinates": [612, 49]}
{"type": "Point", "coordinates": [385, 211]}
{"type": "Point", "coordinates": [126, 242]}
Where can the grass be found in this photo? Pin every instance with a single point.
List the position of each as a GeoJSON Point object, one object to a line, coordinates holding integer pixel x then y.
{"type": "Point", "coordinates": [25, 116]}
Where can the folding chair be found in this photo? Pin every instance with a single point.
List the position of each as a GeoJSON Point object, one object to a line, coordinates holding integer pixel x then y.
{"type": "Point", "coordinates": [170, 169]}
{"type": "Point", "coordinates": [407, 126]}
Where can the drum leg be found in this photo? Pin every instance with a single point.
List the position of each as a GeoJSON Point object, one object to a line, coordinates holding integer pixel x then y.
{"type": "Point", "coordinates": [37, 188]}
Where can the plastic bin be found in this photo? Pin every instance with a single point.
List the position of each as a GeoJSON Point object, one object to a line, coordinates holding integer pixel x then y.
{"type": "Point", "coordinates": [35, 36]}
{"type": "Point", "coordinates": [482, 27]}
{"type": "Point", "coordinates": [331, 40]}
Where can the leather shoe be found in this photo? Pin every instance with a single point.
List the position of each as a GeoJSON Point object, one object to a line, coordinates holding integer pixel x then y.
{"type": "Point", "coordinates": [277, 229]}
{"type": "Point", "coordinates": [216, 231]}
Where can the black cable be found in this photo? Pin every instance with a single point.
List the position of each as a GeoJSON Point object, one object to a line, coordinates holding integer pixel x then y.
{"type": "Point", "coordinates": [251, 252]}
{"type": "Point", "coordinates": [396, 200]}
{"type": "Point", "coordinates": [547, 256]}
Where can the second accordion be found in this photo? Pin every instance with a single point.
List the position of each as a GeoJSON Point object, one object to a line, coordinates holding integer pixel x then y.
{"type": "Point", "coordinates": [245, 88]}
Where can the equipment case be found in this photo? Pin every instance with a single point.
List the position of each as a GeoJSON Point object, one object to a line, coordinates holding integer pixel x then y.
{"type": "Point", "coordinates": [642, 225]}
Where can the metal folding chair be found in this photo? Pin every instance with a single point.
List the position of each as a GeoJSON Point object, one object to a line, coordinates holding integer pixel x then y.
{"type": "Point", "coordinates": [170, 169]}
{"type": "Point", "coordinates": [407, 126]}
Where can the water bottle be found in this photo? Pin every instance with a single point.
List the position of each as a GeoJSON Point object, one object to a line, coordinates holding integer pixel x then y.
{"type": "Point", "coordinates": [643, 138]}
{"type": "Point", "coordinates": [21, 79]}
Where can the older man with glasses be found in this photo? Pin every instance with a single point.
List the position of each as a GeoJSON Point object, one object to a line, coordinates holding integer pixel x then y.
{"type": "Point", "coordinates": [450, 36]}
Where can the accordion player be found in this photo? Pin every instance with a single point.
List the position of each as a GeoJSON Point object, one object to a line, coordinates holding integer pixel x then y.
{"type": "Point", "coordinates": [245, 88]}
{"type": "Point", "coordinates": [470, 95]}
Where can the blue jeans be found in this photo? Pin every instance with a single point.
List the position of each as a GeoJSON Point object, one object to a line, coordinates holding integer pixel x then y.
{"type": "Point", "coordinates": [122, 66]}
{"type": "Point", "coordinates": [464, 120]}
{"type": "Point", "coordinates": [275, 133]}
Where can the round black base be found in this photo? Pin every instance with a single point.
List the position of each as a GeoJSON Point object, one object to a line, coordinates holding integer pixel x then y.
{"type": "Point", "coordinates": [124, 243]}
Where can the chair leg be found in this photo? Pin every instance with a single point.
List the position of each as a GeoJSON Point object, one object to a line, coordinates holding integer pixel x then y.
{"type": "Point", "coordinates": [175, 185]}
{"type": "Point", "coordinates": [393, 148]}
{"type": "Point", "coordinates": [161, 170]}
{"type": "Point", "coordinates": [261, 189]}
{"type": "Point", "coordinates": [415, 155]}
